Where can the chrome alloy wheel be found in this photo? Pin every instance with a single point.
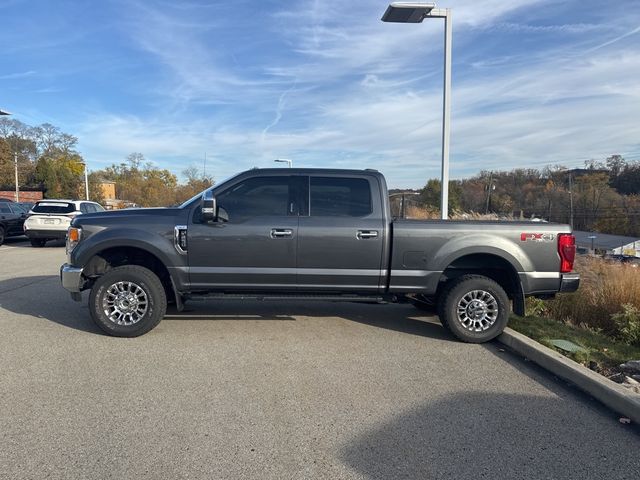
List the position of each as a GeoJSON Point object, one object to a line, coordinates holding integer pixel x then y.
{"type": "Point", "coordinates": [477, 310]}
{"type": "Point", "coordinates": [125, 303]}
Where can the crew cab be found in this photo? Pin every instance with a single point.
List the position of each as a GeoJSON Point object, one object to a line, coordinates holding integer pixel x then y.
{"type": "Point", "coordinates": [311, 234]}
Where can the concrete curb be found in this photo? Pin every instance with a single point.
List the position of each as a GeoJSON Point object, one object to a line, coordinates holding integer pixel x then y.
{"type": "Point", "coordinates": [614, 396]}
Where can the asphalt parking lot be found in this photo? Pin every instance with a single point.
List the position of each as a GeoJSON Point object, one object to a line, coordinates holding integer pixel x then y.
{"type": "Point", "coordinates": [233, 389]}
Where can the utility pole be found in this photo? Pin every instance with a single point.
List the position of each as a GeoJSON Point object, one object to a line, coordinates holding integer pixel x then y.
{"type": "Point", "coordinates": [15, 163]}
{"type": "Point", "coordinates": [570, 201]}
{"type": "Point", "coordinates": [204, 166]}
{"type": "Point", "coordinates": [486, 210]}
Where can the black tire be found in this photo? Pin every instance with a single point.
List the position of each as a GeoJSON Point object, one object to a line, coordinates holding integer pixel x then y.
{"type": "Point", "coordinates": [2, 235]}
{"type": "Point", "coordinates": [37, 242]}
{"type": "Point", "coordinates": [475, 295]}
{"type": "Point", "coordinates": [138, 283]}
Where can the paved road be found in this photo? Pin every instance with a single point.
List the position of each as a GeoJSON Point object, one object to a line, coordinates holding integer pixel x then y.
{"type": "Point", "coordinates": [271, 390]}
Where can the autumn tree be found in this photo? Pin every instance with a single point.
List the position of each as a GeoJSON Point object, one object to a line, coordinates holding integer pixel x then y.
{"type": "Point", "coordinates": [432, 191]}
{"type": "Point", "coordinates": [196, 182]}
{"type": "Point", "coordinates": [140, 182]}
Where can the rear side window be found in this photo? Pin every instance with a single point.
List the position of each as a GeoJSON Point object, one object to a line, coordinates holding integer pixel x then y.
{"type": "Point", "coordinates": [339, 197]}
{"type": "Point", "coordinates": [97, 207]}
{"type": "Point", "coordinates": [54, 207]}
{"type": "Point", "coordinates": [19, 209]}
{"type": "Point", "coordinates": [4, 208]}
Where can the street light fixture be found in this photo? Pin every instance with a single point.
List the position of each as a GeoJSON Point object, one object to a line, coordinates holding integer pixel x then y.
{"type": "Point", "coordinates": [284, 160]}
{"type": "Point", "coordinates": [410, 12]}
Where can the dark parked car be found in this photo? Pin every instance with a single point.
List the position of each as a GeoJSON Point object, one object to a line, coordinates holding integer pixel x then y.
{"type": "Point", "coordinates": [12, 217]}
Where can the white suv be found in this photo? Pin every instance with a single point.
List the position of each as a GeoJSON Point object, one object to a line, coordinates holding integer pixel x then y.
{"type": "Point", "coordinates": [50, 219]}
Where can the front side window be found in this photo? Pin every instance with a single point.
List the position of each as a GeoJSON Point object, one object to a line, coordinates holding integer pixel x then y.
{"type": "Point", "coordinates": [256, 197]}
{"type": "Point", "coordinates": [339, 197]}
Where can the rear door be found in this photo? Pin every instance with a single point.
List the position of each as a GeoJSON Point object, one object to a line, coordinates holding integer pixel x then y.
{"type": "Point", "coordinates": [340, 241]}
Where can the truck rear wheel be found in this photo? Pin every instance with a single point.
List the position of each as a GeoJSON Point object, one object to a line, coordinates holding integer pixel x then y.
{"type": "Point", "coordinates": [474, 308]}
{"type": "Point", "coordinates": [127, 301]}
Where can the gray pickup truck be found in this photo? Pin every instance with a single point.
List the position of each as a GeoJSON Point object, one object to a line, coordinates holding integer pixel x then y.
{"type": "Point", "coordinates": [311, 234]}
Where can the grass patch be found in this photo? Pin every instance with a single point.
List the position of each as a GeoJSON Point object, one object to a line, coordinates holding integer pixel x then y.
{"type": "Point", "coordinates": [600, 348]}
{"type": "Point", "coordinates": [606, 289]}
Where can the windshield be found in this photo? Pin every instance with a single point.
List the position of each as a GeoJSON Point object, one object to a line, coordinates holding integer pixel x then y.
{"type": "Point", "coordinates": [54, 207]}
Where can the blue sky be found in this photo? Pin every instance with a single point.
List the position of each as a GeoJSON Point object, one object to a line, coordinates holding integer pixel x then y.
{"type": "Point", "coordinates": [326, 83]}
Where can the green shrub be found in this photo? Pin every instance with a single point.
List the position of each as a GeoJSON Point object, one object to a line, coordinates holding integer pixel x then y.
{"type": "Point", "coordinates": [628, 324]}
{"type": "Point", "coordinates": [536, 307]}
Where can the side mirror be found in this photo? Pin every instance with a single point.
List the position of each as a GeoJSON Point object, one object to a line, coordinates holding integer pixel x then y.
{"type": "Point", "coordinates": [209, 207]}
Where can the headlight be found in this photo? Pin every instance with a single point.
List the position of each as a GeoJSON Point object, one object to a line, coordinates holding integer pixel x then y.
{"type": "Point", "coordinates": [74, 234]}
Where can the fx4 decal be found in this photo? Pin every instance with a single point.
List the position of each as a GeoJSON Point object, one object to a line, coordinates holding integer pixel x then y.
{"type": "Point", "coordinates": [537, 237]}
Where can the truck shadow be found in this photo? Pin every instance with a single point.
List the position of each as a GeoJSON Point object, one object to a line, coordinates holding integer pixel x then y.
{"type": "Point", "coordinates": [397, 317]}
{"type": "Point", "coordinates": [43, 297]}
{"type": "Point", "coordinates": [473, 435]}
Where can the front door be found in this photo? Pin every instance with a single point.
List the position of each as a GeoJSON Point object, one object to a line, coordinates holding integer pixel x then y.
{"type": "Point", "coordinates": [253, 245]}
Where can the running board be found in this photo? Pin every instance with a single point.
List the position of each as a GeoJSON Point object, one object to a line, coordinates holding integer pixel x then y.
{"type": "Point", "coordinates": [293, 297]}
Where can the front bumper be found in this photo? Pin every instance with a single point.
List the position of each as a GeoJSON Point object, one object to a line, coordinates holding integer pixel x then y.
{"type": "Point", "coordinates": [569, 282]}
{"type": "Point", "coordinates": [71, 278]}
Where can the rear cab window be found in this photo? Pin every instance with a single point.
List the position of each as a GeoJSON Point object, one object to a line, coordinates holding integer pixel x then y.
{"type": "Point", "coordinates": [56, 208]}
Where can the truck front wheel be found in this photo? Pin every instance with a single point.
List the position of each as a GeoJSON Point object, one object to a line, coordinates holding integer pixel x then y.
{"type": "Point", "coordinates": [127, 301]}
{"type": "Point", "coordinates": [474, 308]}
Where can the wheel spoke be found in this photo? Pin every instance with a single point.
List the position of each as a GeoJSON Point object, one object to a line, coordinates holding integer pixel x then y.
{"type": "Point", "coordinates": [125, 303]}
{"type": "Point", "coordinates": [477, 310]}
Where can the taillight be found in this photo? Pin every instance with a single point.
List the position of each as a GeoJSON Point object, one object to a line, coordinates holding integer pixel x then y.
{"type": "Point", "coordinates": [567, 251]}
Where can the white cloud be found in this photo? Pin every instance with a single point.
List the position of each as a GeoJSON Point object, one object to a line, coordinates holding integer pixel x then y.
{"type": "Point", "coordinates": [353, 92]}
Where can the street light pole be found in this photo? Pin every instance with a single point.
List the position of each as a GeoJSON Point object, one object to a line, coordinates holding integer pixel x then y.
{"type": "Point", "coordinates": [15, 164]}
{"type": "Point", "coordinates": [86, 181]}
{"type": "Point", "coordinates": [410, 12]}
{"type": "Point", "coordinates": [446, 109]}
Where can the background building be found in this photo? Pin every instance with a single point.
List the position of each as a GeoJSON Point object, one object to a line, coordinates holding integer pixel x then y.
{"type": "Point", "coordinates": [605, 243]}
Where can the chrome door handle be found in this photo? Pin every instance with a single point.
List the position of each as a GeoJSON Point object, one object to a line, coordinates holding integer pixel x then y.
{"type": "Point", "coordinates": [281, 233]}
{"type": "Point", "coordinates": [363, 234]}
